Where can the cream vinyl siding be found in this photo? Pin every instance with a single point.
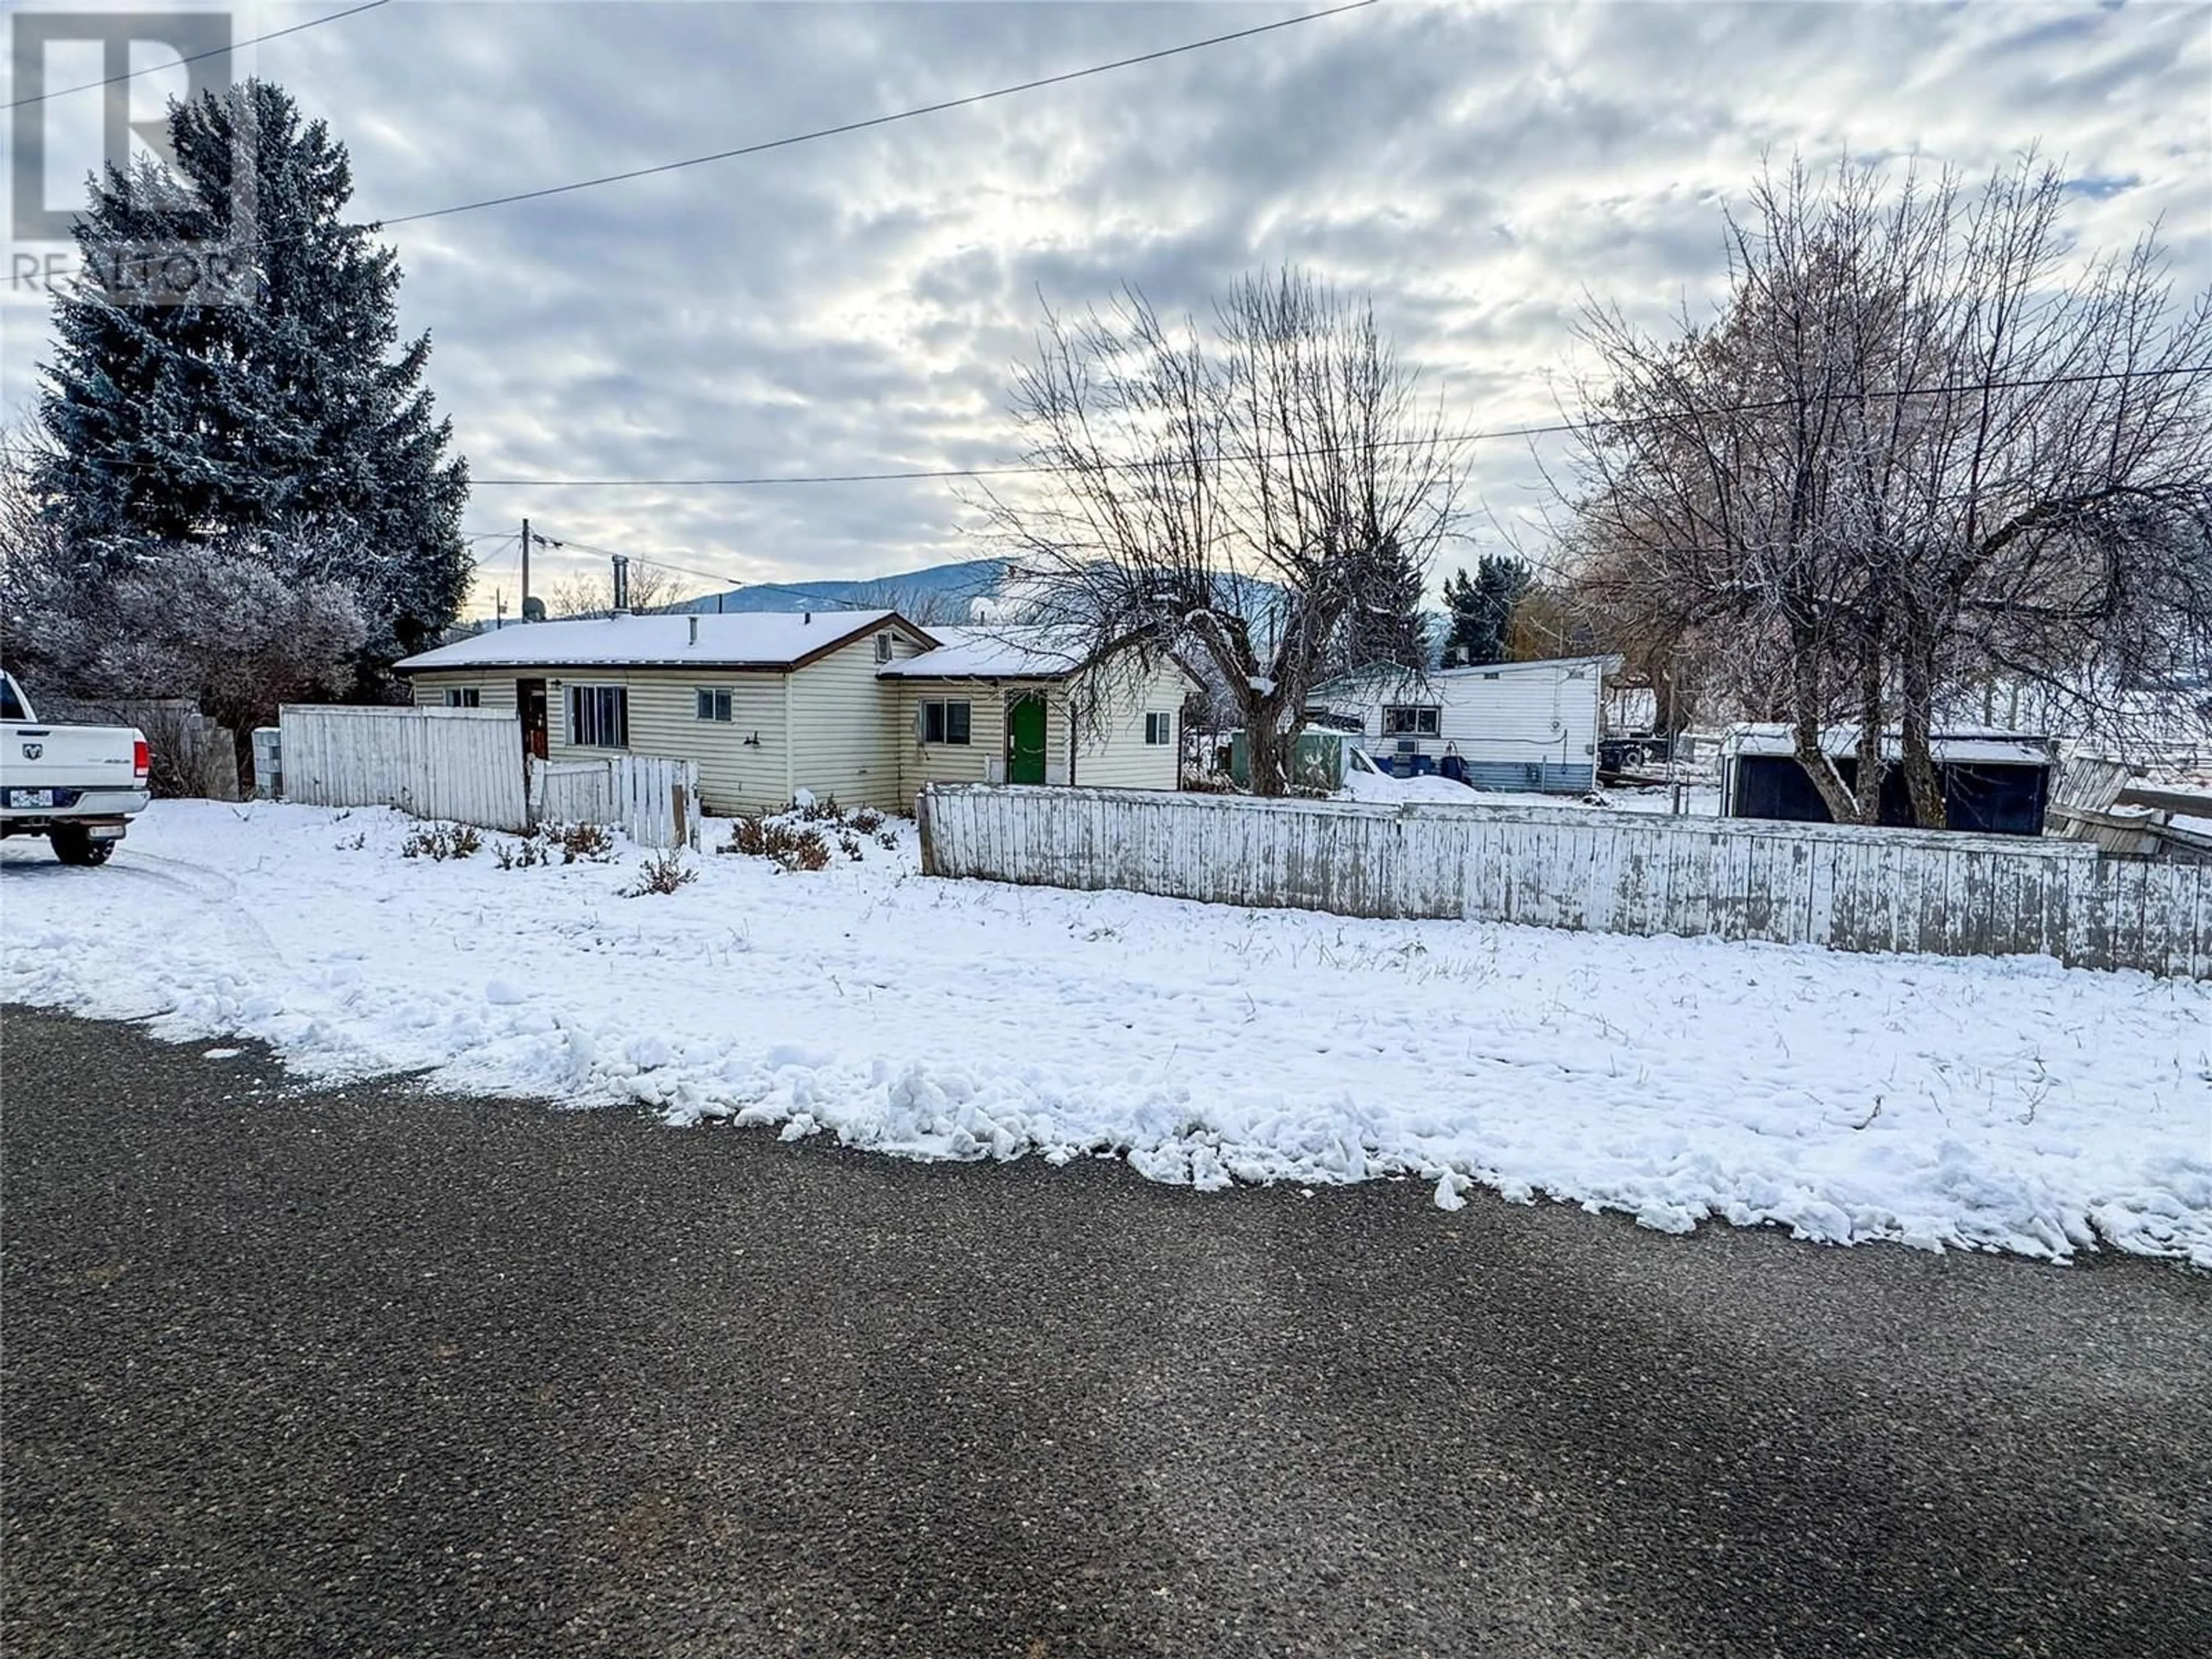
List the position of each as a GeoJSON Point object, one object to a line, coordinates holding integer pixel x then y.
{"type": "Point", "coordinates": [846, 730]}
{"type": "Point", "coordinates": [494, 691]}
{"type": "Point", "coordinates": [1114, 756]}
{"type": "Point", "coordinates": [950, 762]}
{"type": "Point", "coordinates": [735, 775]}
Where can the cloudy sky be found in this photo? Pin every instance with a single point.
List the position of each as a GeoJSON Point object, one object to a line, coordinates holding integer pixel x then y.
{"type": "Point", "coordinates": [854, 305]}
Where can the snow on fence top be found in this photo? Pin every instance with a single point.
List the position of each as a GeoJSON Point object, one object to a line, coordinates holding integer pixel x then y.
{"type": "Point", "coordinates": [1843, 887]}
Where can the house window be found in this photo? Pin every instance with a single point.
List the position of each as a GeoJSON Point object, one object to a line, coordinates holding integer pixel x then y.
{"type": "Point", "coordinates": [463, 697]}
{"type": "Point", "coordinates": [1405, 720]}
{"type": "Point", "coordinates": [599, 716]}
{"type": "Point", "coordinates": [1159, 729]}
{"type": "Point", "coordinates": [882, 647]}
{"type": "Point", "coordinates": [715, 706]}
{"type": "Point", "coordinates": [944, 723]}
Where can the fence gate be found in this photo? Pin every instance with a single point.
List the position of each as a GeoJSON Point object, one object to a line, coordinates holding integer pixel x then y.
{"type": "Point", "coordinates": [655, 802]}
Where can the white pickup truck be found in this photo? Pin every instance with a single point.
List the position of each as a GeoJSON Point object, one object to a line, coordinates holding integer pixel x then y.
{"type": "Point", "coordinates": [78, 786]}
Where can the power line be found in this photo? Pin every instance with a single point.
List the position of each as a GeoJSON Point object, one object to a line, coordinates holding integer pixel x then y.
{"type": "Point", "coordinates": [874, 120]}
{"type": "Point", "coordinates": [1959, 388]}
{"type": "Point", "coordinates": [194, 58]}
{"type": "Point", "coordinates": [1548, 429]}
{"type": "Point", "coordinates": [733, 583]}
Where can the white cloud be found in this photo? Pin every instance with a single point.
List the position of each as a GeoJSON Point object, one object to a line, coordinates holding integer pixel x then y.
{"type": "Point", "coordinates": [854, 305]}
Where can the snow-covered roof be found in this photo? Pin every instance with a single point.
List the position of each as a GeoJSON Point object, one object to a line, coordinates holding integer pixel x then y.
{"type": "Point", "coordinates": [1486, 670]}
{"type": "Point", "coordinates": [756, 639]}
{"type": "Point", "coordinates": [1388, 675]}
{"type": "Point", "coordinates": [1961, 747]}
{"type": "Point", "coordinates": [992, 653]}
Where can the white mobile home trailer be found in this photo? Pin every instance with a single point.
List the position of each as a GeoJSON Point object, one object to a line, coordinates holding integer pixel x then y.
{"type": "Point", "coordinates": [1508, 724]}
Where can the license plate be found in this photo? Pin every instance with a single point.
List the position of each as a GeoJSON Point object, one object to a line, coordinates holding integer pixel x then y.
{"type": "Point", "coordinates": [30, 798]}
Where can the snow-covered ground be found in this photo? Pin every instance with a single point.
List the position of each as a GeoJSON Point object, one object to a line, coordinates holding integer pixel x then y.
{"type": "Point", "coordinates": [1701, 798]}
{"type": "Point", "coordinates": [2011, 1104]}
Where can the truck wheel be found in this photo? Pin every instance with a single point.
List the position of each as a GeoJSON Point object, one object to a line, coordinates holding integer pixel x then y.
{"type": "Point", "coordinates": [77, 847]}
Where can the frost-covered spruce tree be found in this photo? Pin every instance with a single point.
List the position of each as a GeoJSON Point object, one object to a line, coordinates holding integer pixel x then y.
{"type": "Point", "coordinates": [284, 413]}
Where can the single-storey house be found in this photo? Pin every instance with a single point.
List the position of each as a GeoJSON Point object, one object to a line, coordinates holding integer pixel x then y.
{"type": "Point", "coordinates": [1030, 718]}
{"type": "Point", "coordinates": [769, 703]}
{"type": "Point", "coordinates": [1507, 725]}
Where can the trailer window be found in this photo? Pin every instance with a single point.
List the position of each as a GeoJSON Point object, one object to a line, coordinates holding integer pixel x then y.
{"type": "Point", "coordinates": [463, 697]}
{"type": "Point", "coordinates": [1406, 720]}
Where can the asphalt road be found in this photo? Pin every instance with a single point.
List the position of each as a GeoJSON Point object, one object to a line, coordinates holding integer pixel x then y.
{"type": "Point", "coordinates": [373, 1372]}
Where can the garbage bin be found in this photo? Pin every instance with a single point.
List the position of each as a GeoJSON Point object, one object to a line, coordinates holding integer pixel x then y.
{"type": "Point", "coordinates": [268, 762]}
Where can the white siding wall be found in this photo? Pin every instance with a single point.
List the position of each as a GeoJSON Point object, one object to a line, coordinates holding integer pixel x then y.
{"type": "Point", "coordinates": [846, 735]}
{"type": "Point", "coordinates": [1531, 716]}
{"type": "Point", "coordinates": [1116, 756]}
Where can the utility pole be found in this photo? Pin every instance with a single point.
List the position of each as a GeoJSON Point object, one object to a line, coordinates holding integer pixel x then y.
{"type": "Point", "coordinates": [524, 611]}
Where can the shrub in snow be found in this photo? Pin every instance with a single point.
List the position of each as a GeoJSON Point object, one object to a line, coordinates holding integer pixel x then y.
{"type": "Point", "coordinates": [664, 873]}
{"type": "Point", "coordinates": [591, 843]}
{"type": "Point", "coordinates": [867, 820]}
{"type": "Point", "coordinates": [793, 846]}
{"type": "Point", "coordinates": [442, 842]}
{"type": "Point", "coordinates": [575, 844]}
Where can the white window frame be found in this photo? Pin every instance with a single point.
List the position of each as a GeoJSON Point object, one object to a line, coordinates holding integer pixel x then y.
{"type": "Point", "coordinates": [942, 708]}
{"type": "Point", "coordinates": [884, 646]}
{"type": "Point", "coordinates": [1163, 726]}
{"type": "Point", "coordinates": [463, 697]}
{"type": "Point", "coordinates": [1411, 720]}
{"type": "Point", "coordinates": [617, 702]}
{"type": "Point", "coordinates": [711, 703]}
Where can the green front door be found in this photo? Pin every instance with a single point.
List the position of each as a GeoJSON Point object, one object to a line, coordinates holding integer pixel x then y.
{"type": "Point", "coordinates": [1025, 740]}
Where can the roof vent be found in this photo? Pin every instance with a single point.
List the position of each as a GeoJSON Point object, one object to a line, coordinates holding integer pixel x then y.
{"type": "Point", "coordinates": [806, 620]}
{"type": "Point", "coordinates": [695, 630]}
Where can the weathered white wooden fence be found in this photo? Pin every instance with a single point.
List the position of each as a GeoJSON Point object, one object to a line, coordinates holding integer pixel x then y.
{"type": "Point", "coordinates": [464, 764]}
{"type": "Point", "coordinates": [655, 802]}
{"type": "Point", "coordinates": [1841, 887]}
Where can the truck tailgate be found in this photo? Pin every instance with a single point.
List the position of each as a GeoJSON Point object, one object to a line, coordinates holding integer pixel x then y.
{"type": "Point", "coordinates": [34, 757]}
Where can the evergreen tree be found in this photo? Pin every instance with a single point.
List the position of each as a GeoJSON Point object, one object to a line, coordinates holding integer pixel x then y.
{"type": "Point", "coordinates": [1482, 609]}
{"type": "Point", "coordinates": [1384, 624]}
{"type": "Point", "coordinates": [281, 418]}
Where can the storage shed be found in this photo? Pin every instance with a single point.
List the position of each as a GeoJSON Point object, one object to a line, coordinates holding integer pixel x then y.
{"type": "Point", "coordinates": [1504, 725]}
{"type": "Point", "coordinates": [1994, 782]}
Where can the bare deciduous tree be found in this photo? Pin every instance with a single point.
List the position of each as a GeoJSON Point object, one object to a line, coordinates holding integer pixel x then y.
{"type": "Point", "coordinates": [592, 593]}
{"type": "Point", "coordinates": [1923, 446]}
{"type": "Point", "coordinates": [1237, 502]}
